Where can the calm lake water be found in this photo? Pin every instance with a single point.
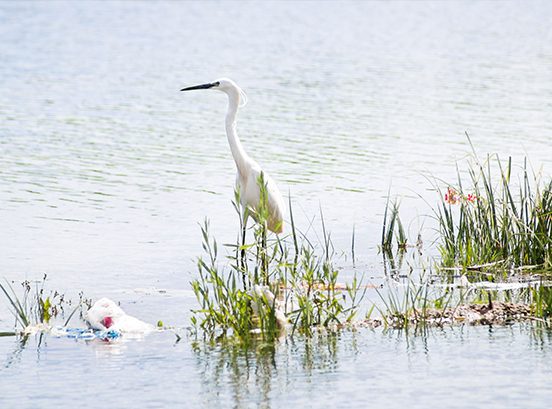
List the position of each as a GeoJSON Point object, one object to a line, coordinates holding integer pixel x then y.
{"type": "Point", "coordinates": [106, 170]}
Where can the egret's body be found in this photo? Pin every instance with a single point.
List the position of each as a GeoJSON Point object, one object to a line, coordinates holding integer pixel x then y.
{"type": "Point", "coordinates": [249, 171]}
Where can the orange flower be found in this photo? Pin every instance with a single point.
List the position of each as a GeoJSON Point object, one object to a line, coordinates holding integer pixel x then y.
{"type": "Point", "coordinates": [452, 197]}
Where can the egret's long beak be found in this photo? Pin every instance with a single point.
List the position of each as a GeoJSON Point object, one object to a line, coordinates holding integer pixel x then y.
{"type": "Point", "coordinates": [202, 86]}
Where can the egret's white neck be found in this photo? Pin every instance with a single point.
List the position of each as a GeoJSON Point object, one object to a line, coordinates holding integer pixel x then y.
{"type": "Point", "coordinates": [240, 156]}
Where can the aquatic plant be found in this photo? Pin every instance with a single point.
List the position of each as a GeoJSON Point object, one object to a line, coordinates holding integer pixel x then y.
{"type": "Point", "coordinates": [492, 223]}
{"type": "Point", "coordinates": [541, 302]}
{"type": "Point", "coordinates": [421, 304]}
{"type": "Point", "coordinates": [414, 303]}
{"type": "Point", "coordinates": [269, 282]}
{"type": "Point", "coordinates": [392, 229]}
{"type": "Point", "coordinates": [34, 306]}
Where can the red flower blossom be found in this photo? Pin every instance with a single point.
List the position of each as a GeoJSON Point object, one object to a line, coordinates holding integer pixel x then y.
{"type": "Point", "coordinates": [453, 197]}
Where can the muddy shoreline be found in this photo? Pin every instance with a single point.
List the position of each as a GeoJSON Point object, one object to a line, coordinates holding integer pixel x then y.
{"type": "Point", "coordinates": [495, 313]}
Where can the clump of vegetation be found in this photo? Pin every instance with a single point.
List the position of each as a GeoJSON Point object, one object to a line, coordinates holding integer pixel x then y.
{"type": "Point", "coordinates": [491, 222]}
{"type": "Point", "coordinates": [275, 282]}
{"type": "Point", "coordinates": [495, 223]}
{"type": "Point", "coordinates": [393, 229]}
{"type": "Point", "coordinates": [269, 283]}
{"type": "Point", "coordinates": [32, 307]}
{"type": "Point", "coordinates": [541, 302]}
{"type": "Point", "coordinates": [36, 306]}
{"type": "Point", "coordinates": [415, 303]}
{"type": "Point", "coordinates": [421, 304]}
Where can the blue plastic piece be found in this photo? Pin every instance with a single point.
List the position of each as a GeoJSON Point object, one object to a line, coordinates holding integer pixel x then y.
{"type": "Point", "coordinates": [87, 333]}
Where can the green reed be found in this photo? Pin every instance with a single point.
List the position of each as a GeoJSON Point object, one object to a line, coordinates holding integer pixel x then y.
{"type": "Point", "coordinates": [540, 300]}
{"type": "Point", "coordinates": [270, 282]}
{"type": "Point", "coordinates": [496, 221]}
{"type": "Point", "coordinates": [413, 303]}
{"type": "Point", "coordinates": [392, 229]}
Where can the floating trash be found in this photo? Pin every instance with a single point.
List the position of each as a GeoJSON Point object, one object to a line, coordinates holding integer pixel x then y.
{"type": "Point", "coordinates": [85, 333]}
{"type": "Point", "coordinates": [106, 315]}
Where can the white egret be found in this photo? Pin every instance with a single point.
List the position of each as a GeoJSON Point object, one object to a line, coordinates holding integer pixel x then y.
{"type": "Point", "coordinates": [249, 171]}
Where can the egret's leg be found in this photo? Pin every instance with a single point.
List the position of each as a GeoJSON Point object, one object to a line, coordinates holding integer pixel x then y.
{"type": "Point", "coordinates": [243, 266]}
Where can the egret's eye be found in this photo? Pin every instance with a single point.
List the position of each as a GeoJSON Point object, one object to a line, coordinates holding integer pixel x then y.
{"type": "Point", "coordinates": [216, 83]}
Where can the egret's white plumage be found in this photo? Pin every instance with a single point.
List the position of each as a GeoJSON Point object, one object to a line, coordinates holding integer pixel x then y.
{"type": "Point", "coordinates": [249, 171]}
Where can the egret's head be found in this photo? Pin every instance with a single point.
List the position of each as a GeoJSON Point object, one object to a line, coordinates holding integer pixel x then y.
{"type": "Point", "coordinates": [225, 85]}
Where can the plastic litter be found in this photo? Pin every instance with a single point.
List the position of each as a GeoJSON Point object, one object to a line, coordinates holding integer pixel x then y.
{"type": "Point", "coordinates": [85, 333]}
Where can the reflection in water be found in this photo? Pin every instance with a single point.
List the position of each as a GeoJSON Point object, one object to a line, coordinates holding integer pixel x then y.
{"type": "Point", "coordinates": [109, 350]}
{"type": "Point", "coordinates": [329, 369]}
{"type": "Point", "coordinates": [540, 335]}
{"type": "Point", "coordinates": [393, 263]}
{"type": "Point", "coordinates": [244, 374]}
{"type": "Point", "coordinates": [15, 356]}
{"type": "Point", "coordinates": [22, 344]}
{"type": "Point", "coordinates": [260, 372]}
{"type": "Point", "coordinates": [314, 371]}
{"type": "Point", "coordinates": [104, 349]}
